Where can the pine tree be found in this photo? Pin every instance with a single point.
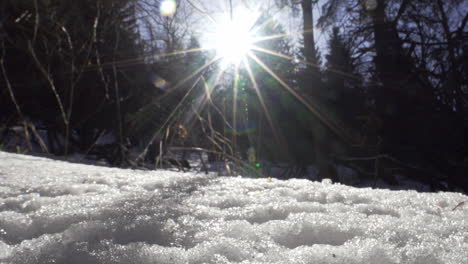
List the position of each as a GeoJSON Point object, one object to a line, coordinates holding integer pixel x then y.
{"type": "Point", "coordinates": [343, 82]}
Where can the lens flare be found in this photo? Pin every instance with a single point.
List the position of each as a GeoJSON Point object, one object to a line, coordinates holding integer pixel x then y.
{"type": "Point", "coordinates": [370, 5]}
{"type": "Point", "coordinates": [168, 7]}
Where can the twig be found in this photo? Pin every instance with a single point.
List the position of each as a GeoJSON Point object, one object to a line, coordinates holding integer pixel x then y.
{"type": "Point", "coordinates": [38, 137]}
{"type": "Point", "coordinates": [7, 81]}
{"type": "Point", "coordinates": [459, 205]}
{"type": "Point", "coordinates": [36, 23]}
{"type": "Point", "coordinates": [50, 81]}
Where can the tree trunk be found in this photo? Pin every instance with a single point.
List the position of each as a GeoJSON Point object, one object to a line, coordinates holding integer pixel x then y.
{"type": "Point", "coordinates": [314, 87]}
{"type": "Point", "coordinates": [309, 41]}
{"type": "Point", "coordinates": [312, 78]}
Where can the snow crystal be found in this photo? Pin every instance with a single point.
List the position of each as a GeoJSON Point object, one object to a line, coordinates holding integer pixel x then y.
{"type": "Point", "coordinates": [59, 212]}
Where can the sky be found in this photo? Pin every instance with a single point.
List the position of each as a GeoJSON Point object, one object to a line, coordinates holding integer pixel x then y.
{"type": "Point", "coordinates": [60, 212]}
{"type": "Point", "coordinates": [290, 18]}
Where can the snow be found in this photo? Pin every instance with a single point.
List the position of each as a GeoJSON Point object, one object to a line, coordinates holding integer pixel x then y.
{"type": "Point", "coordinates": [59, 212]}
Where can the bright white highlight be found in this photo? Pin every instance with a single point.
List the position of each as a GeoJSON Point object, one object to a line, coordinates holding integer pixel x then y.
{"type": "Point", "coordinates": [231, 38]}
{"type": "Point", "coordinates": [168, 7]}
{"type": "Point", "coordinates": [233, 42]}
{"type": "Point", "coordinates": [59, 212]}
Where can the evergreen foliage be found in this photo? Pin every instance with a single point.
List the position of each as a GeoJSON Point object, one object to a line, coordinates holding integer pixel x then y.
{"type": "Point", "coordinates": [388, 96]}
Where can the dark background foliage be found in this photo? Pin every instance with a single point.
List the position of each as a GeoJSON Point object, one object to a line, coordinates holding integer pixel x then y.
{"type": "Point", "coordinates": [388, 97]}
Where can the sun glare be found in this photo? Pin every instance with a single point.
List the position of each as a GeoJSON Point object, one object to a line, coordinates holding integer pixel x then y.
{"type": "Point", "coordinates": [232, 39]}
{"type": "Point", "coordinates": [233, 42]}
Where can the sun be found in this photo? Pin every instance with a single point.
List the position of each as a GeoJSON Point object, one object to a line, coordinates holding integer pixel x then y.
{"type": "Point", "coordinates": [232, 38]}
{"type": "Point", "coordinates": [233, 42]}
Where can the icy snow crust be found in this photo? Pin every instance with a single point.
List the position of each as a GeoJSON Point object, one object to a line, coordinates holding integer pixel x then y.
{"type": "Point", "coordinates": [58, 212]}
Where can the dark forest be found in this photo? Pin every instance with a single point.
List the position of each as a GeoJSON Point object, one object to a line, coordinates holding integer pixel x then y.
{"type": "Point", "coordinates": [377, 86]}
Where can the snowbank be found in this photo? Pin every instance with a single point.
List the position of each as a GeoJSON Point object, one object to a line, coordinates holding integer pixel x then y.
{"type": "Point", "coordinates": [58, 212]}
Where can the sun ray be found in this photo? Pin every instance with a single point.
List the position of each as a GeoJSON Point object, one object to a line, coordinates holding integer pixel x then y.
{"type": "Point", "coordinates": [183, 99]}
{"type": "Point", "coordinates": [278, 36]}
{"type": "Point", "coordinates": [186, 51]}
{"type": "Point", "coordinates": [236, 50]}
{"type": "Point", "coordinates": [164, 125]}
{"type": "Point", "coordinates": [208, 91]}
{"type": "Point", "coordinates": [280, 55]}
{"type": "Point", "coordinates": [270, 37]}
{"type": "Point", "coordinates": [141, 59]}
{"type": "Point", "coordinates": [301, 99]}
{"type": "Point", "coordinates": [262, 101]}
{"type": "Point", "coordinates": [287, 57]}
{"type": "Point", "coordinates": [208, 88]}
{"type": "Point", "coordinates": [207, 95]}
{"type": "Point", "coordinates": [234, 106]}
{"type": "Point", "coordinates": [180, 83]}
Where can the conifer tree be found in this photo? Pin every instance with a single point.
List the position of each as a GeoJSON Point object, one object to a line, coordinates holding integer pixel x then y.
{"type": "Point", "coordinates": [343, 82]}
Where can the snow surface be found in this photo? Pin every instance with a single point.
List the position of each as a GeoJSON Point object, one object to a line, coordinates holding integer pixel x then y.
{"type": "Point", "coordinates": [59, 212]}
